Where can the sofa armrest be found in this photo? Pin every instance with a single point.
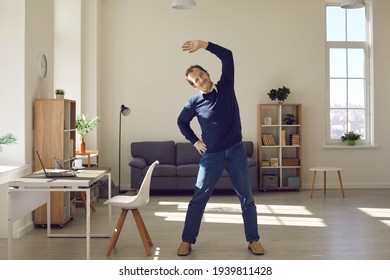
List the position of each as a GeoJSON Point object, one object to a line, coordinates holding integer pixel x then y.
{"type": "Point", "coordinates": [138, 163]}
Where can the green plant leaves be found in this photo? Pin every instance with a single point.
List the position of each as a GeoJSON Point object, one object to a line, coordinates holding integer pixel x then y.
{"type": "Point", "coordinates": [279, 94]}
{"type": "Point", "coordinates": [85, 124]}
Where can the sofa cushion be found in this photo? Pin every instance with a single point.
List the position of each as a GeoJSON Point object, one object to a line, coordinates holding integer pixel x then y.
{"type": "Point", "coordinates": [249, 148]}
{"type": "Point", "coordinates": [138, 163]}
{"type": "Point", "coordinates": [162, 170]}
{"type": "Point", "coordinates": [163, 151]}
{"type": "Point", "coordinates": [251, 162]}
{"type": "Point", "coordinates": [191, 170]}
{"type": "Point", "coordinates": [186, 153]}
{"type": "Point", "coordinates": [188, 170]}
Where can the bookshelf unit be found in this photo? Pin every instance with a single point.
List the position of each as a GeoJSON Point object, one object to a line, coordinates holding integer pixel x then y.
{"type": "Point", "coordinates": [54, 138]}
{"type": "Point", "coordinates": [279, 147]}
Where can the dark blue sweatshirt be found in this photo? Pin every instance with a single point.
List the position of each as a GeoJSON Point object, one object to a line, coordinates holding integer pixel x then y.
{"type": "Point", "coordinates": [217, 112]}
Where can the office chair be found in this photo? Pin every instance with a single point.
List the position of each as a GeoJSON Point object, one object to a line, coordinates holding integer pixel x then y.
{"type": "Point", "coordinates": [133, 203]}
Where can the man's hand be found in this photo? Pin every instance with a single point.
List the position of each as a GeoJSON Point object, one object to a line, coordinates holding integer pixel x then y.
{"type": "Point", "coordinates": [201, 147]}
{"type": "Point", "coordinates": [194, 45]}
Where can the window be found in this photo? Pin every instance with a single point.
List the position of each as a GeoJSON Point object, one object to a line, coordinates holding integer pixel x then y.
{"type": "Point", "coordinates": [348, 65]}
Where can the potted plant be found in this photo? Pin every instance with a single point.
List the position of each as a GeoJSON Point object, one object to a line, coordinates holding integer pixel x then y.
{"type": "Point", "coordinates": [60, 93]}
{"type": "Point", "coordinates": [289, 119]}
{"type": "Point", "coordinates": [279, 94]}
{"type": "Point", "coordinates": [7, 139]}
{"type": "Point", "coordinates": [83, 126]}
{"type": "Point", "coordinates": [351, 137]}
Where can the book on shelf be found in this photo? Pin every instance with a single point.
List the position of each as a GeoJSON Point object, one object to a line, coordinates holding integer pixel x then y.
{"type": "Point", "coordinates": [274, 162]}
{"type": "Point", "coordinates": [295, 139]}
{"type": "Point", "coordinates": [265, 163]}
{"type": "Point", "coordinates": [283, 136]}
{"type": "Point", "coordinates": [265, 139]}
{"type": "Point", "coordinates": [290, 161]}
{"type": "Point", "coordinates": [268, 139]}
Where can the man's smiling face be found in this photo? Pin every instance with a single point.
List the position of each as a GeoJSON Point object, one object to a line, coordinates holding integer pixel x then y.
{"type": "Point", "coordinates": [200, 80]}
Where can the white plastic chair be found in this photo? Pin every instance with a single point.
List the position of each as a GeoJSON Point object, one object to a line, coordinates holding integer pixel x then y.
{"type": "Point", "coordinates": [133, 203]}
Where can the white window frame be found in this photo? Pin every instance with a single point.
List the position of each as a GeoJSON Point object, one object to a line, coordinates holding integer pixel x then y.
{"type": "Point", "coordinates": [367, 47]}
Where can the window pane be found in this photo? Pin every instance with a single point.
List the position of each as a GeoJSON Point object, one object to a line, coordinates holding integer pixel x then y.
{"type": "Point", "coordinates": [338, 93]}
{"type": "Point", "coordinates": [356, 121]}
{"type": "Point", "coordinates": [356, 22]}
{"type": "Point", "coordinates": [337, 63]}
{"type": "Point", "coordinates": [356, 63]}
{"type": "Point", "coordinates": [348, 56]}
{"type": "Point", "coordinates": [338, 123]}
{"type": "Point", "coordinates": [335, 24]}
{"type": "Point", "coordinates": [356, 93]}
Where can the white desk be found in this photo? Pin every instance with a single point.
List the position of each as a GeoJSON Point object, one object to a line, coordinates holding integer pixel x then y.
{"type": "Point", "coordinates": [29, 192]}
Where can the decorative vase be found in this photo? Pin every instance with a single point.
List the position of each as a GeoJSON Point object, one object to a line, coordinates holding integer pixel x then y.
{"type": "Point", "coordinates": [59, 96]}
{"type": "Point", "coordinates": [351, 142]}
{"type": "Point", "coordinates": [280, 101]}
{"type": "Point", "coordinates": [82, 146]}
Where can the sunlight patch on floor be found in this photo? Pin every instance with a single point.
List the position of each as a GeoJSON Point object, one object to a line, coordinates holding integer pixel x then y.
{"type": "Point", "coordinates": [236, 208]}
{"type": "Point", "coordinates": [156, 253]}
{"type": "Point", "coordinates": [283, 209]}
{"type": "Point", "coordinates": [386, 222]}
{"type": "Point", "coordinates": [230, 213]}
{"type": "Point", "coordinates": [378, 213]}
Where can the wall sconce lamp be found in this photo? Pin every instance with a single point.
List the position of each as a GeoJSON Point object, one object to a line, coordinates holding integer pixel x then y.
{"type": "Point", "coordinates": [125, 111]}
{"type": "Point", "coordinates": [352, 4]}
{"type": "Point", "coordinates": [183, 4]}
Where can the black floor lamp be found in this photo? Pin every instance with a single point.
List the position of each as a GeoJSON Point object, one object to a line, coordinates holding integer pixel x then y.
{"type": "Point", "coordinates": [125, 111]}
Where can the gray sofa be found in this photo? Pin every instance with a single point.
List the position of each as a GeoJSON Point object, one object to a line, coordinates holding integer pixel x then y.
{"type": "Point", "coordinates": [179, 164]}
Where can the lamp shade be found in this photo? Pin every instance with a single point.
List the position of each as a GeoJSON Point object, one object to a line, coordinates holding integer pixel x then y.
{"type": "Point", "coordinates": [183, 4]}
{"type": "Point", "coordinates": [125, 111]}
{"type": "Point", "coordinates": [352, 4]}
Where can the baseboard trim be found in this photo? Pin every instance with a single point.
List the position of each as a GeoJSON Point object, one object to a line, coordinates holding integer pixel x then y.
{"type": "Point", "coordinates": [24, 230]}
{"type": "Point", "coordinates": [349, 186]}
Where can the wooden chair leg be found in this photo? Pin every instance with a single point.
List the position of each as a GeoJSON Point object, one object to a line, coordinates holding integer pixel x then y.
{"type": "Point", "coordinates": [341, 183]}
{"type": "Point", "coordinates": [84, 199]}
{"type": "Point", "coordinates": [92, 206]}
{"type": "Point", "coordinates": [312, 183]}
{"type": "Point", "coordinates": [117, 231]}
{"type": "Point", "coordinates": [143, 232]}
{"type": "Point", "coordinates": [324, 182]}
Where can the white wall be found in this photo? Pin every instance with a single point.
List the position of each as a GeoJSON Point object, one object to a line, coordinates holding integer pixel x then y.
{"type": "Point", "coordinates": [67, 48]}
{"type": "Point", "coordinates": [90, 67]}
{"type": "Point", "coordinates": [26, 30]}
{"type": "Point", "coordinates": [275, 43]}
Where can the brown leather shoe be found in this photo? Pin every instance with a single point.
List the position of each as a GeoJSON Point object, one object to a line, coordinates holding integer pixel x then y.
{"type": "Point", "coordinates": [255, 248]}
{"type": "Point", "coordinates": [184, 249]}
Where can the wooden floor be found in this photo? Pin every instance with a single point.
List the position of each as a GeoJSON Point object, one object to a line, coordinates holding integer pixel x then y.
{"type": "Point", "coordinates": [292, 227]}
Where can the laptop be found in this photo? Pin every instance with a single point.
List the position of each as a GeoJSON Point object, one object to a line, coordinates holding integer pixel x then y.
{"type": "Point", "coordinates": [55, 174]}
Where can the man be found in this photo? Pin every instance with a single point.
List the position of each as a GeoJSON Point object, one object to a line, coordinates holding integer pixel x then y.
{"type": "Point", "coordinates": [216, 109]}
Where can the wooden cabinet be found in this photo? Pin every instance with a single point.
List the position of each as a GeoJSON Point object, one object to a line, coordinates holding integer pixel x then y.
{"type": "Point", "coordinates": [54, 138]}
{"type": "Point", "coordinates": [279, 146]}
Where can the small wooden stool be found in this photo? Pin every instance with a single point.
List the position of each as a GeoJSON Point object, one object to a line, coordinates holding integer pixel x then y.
{"type": "Point", "coordinates": [326, 169]}
{"type": "Point", "coordinates": [88, 154]}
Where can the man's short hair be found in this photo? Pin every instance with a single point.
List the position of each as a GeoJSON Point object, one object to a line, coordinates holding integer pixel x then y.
{"type": "Point", "coordinates": [191, 68]}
